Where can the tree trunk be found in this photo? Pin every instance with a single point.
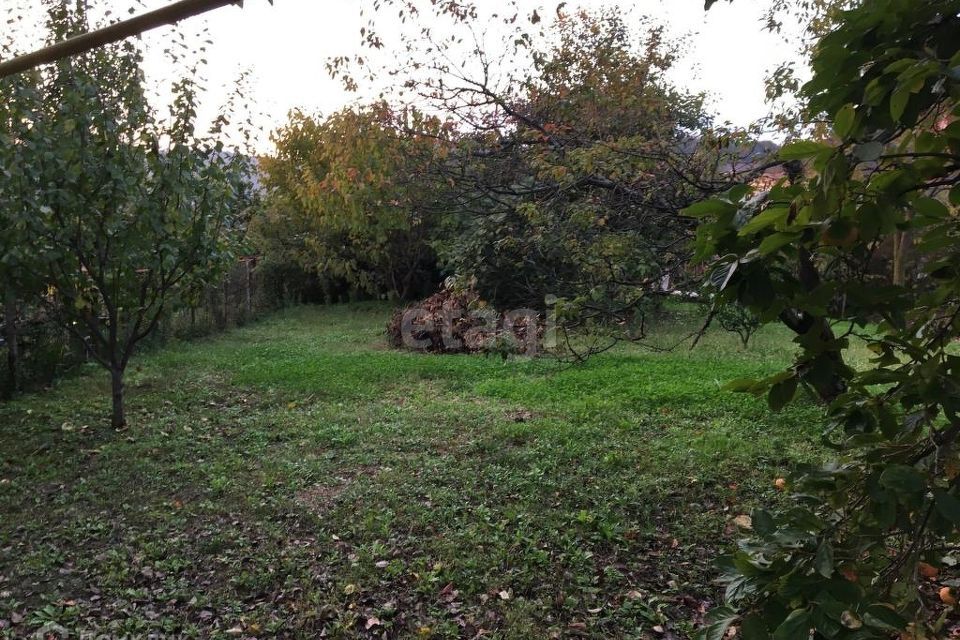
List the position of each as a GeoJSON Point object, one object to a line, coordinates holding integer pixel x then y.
{"type": "Point", "coordinates": [901, 241]}
{"type": "Point", "coordinates": [249, 296]}
{"type": "Point", "coordinates": [215, 307]}
{"type": "Point", "coordinates": [13, 348]}
{"type": "Point", "coordinates": [226, 304]}
{"type": "Point", "coordinates": [116, 385]}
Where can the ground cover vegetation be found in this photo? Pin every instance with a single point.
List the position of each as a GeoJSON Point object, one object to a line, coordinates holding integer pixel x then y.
{"type": "Point", "coordinates": [298, 478]}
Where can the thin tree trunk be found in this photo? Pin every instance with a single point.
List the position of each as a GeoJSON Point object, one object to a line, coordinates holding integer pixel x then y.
{"type": "Point", "coordinates": [13, 347]}
{"type": "Point", "coordinates": [249, 297]}
{"type": "Point", "coordinates": [116, 388]}
{"type": "Point", "coordinates": [895, 258]}
{"type": "Point", "coordinates": [226, 304]}
{"type": "Point", "coordinates": [216, 308]}
{"type": "Point", "coordinates": [900, 243]}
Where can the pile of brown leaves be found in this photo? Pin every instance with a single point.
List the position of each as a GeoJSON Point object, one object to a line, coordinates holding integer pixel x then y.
{"type": "Point", "coordinates": [457, 321]}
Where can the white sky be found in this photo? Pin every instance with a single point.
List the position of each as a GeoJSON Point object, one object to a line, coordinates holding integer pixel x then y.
{"type": "Point", "coordinates": [285, 47]}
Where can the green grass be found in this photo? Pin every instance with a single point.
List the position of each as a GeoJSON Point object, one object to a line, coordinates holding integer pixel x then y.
{"type": "Point", "coordinates": [296, 478]}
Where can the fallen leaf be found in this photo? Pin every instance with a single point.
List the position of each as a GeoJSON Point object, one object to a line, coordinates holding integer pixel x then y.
{"type": "Point", "coordinates": [927, 570]}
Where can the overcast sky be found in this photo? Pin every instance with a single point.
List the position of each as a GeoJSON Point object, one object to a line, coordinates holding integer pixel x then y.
{"type": "Point", "coordinates": [285, 46]}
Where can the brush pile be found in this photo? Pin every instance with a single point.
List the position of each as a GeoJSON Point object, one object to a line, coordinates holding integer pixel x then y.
{"type": "Point", "coordinates": [457, 321]}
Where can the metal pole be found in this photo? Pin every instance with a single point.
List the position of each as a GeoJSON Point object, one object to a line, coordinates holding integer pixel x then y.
{"type": "Point", "coordinates": [113, 33]}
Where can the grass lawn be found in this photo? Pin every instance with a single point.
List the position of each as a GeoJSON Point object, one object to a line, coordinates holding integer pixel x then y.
{"type": "Point", "coordinates": [297, 479]}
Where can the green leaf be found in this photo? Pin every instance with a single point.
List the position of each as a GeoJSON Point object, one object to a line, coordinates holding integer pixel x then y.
{"type": "Point", "coordinates": [708, 208]}
{"type": "Point", "coordinates": [764, 219]}
{"type": "Point", "coordinates": [844, 590]}
{"type": "Point", "coordinates": [719, 621]}
{"type": "Point", "coordinates": [802, 149]}
{"type": "Point", "coordinates": [844, 121]}
{"type": "Point", "coordinates": [753, 628]}
{"type": "Point", "coordinates": [903, 479]}
{"type": "Point", "coordinates": [932, 208]}
{"type": "Point", "coordinates": [762, 522]}
{"type": "Point", "coordinates": [900, 65]}
{"type": "Point", "coordinates": [898, 102]}
{"type": "Point", "coordinates": [875, 91]}
{"type": "Point", "coordinates": [947, 505]}
{"type": "Point", "coordinates": [795, 627]}
{"type": "Point", "coordinates": [885, 618]}
{"type": "Point", "coordinates": [741, 385]}
{"type": "Point", "coordinates": [955, 60]}
{"type": "Point", "coordinates": [721, 276]}
{"type": "Point", "coordinates": [775, 241]}
{"type": "Point", "coordinates": [739, 588]}
{"type": "Point", "coordinates": [823, 561]}
{"type": "Point", "coordinates": [737, 192]}
{"type": "Point", "coordinates": [955, 195]}
{"type": "Point", "coordinates": [782, 393]}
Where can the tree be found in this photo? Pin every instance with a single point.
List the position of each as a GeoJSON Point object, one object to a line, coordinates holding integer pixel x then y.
{"type": "Point", "coordinates": [119, 226]}
{"type": "Point", "coordinates": [346, 200]}
{"type": "Point", "coordinates": [18, 102]}
{"type": "Point", "coordinates": [865, 547]}
{"type": "Point", "coordinates": [571, 177]}
{"type": "Point", "coordinates": [574, 156]}
{"type": "Point", "coordinates": [734, 318]}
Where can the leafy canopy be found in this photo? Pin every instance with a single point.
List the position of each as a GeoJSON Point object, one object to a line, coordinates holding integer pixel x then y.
{"type": "Point", "coordinates": [117, 213]}
{"type": "Point", "coordinates": [862, 548]}
{"type": "Point", "coordinates": [346, 200]}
